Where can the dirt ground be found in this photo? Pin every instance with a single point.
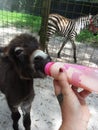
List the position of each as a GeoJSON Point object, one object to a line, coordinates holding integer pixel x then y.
{"type": "Point", "coordinates": [45, 113]}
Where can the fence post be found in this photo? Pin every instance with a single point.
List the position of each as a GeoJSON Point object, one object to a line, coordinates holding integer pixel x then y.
{"type": "Point", "coordinates": [44, 14]}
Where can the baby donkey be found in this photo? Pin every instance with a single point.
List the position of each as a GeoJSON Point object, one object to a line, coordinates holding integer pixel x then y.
{"type": "Point", "coordinates": [21, 61]}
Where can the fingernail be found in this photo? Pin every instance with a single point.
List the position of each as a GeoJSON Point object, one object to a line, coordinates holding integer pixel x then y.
{"type": "Point", "coordinates": [61, 70]}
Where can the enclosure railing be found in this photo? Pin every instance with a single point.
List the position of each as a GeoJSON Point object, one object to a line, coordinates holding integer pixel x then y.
{"type": "Point", "coordinates": [44, 14]}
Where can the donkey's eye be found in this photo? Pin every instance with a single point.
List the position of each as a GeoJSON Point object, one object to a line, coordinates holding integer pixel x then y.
{"type": "Point", "coordinates": [18, 51]}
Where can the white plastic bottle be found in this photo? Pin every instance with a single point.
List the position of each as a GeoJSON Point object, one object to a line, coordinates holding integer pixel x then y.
{"type": "Point", "coordinates": [78, 75]}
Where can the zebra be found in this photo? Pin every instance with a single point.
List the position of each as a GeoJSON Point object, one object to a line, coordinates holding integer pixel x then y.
{"type": "Point", "coordinates": [67, 28]}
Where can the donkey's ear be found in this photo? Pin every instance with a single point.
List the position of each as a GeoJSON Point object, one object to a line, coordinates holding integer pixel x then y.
{"type": "Point", "coordinates": [4, 51]}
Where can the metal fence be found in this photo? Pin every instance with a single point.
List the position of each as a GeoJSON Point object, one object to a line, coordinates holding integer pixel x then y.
{"type": "Point", "coordinates": [21, 16]}
{"type": "Point", "coordinates": [74, 8]}
{"type": "Point", "coordinates": [86, 53]}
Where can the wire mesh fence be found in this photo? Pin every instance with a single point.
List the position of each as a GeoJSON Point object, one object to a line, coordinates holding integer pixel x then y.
{"type": "Point", "coordinates": [74, 8]}
{"type": "Point", "coordinates": [18, 16]}
{"type": "Point", "coordinates": [21, 16]}
{"type": "Point", "coordinates": [86, 53]}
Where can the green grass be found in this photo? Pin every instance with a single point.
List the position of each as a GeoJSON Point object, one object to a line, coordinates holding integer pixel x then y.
{"type": "Point", "coordinates": [22, 20]}
{"type": "Point", "coordinates": [87, 37]}
{"type": "Point", "coordinates": [19, 20]}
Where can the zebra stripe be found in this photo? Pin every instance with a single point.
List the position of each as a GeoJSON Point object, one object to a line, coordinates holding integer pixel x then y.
{"type": "Point", "coordinates": [67, 28]}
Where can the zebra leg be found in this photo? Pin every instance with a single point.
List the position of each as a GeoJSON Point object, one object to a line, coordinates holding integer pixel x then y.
{"type": "Point", "coordinates": [26, 107]}
{"type": "Point", "coordinates": [59, 52]}
{"type": "Point", "coordinates": [74, 51]}
{"type": "Point", "coordinates": [47, 48]}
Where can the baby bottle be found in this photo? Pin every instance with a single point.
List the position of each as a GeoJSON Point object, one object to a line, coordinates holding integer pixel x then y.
{"type": "Point", "coordinates": [78, 75]}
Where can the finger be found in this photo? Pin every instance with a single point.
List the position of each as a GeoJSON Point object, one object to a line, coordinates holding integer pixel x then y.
{"type": "Point", "coordinates": [62, 86]}
{"type": "Point", "coordinates": [63, 83]}
{"type": "Point", "coordinates": [57, 88]}
{"type": "Point", "coordinates": [84, 93]}
{"type": "Point", "coordinates": [62, 74]}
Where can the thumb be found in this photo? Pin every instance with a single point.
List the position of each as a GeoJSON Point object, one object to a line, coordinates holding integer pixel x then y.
{"type": "Point", "coordinates": [61, 83]}
{"type": "Point", "coordinates": [57, 88]}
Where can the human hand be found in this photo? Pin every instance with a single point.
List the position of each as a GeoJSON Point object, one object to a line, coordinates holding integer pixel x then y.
{"type": "Point", "coordinates": [75, 112]}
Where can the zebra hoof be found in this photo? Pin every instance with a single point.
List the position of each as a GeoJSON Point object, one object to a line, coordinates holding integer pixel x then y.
{"type": "Point", "coordinates": [58, 56]}
{"type": "Point", "coordinates": [75, 61]}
